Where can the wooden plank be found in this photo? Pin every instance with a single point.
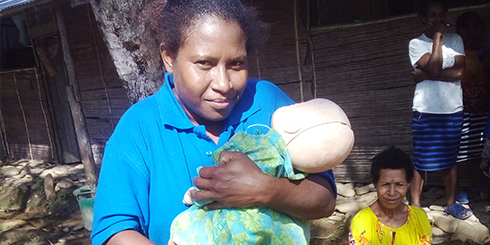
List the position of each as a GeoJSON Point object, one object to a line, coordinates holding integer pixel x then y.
{"type": "Point", "coordinates": [82, 138]}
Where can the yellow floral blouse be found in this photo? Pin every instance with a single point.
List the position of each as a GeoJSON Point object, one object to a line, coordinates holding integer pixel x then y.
{"type": "Point", "coordinates": [367, 230]}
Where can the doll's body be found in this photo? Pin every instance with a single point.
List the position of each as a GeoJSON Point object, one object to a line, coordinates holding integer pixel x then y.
{"type": "Point", "coordinates": [313, 137]}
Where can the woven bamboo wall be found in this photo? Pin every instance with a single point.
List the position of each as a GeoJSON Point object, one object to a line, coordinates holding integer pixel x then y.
{"type": "Point", "coordinates": [103, 97]}
{"type": "Point", "coordinates": [26, 120]}
{"type": "Point", "coordinates": [363, 67]}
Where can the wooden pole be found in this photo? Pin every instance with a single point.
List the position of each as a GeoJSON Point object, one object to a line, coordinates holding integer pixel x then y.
{"type": "Point", "coordinates": [82, 138]}
{"type": "Point", "coordinates": [73, 95]}
{"type": "Point", "coordinates": [70, 67]}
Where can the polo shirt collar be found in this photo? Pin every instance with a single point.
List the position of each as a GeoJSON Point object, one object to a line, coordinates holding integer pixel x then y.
{"type": "Point", "coordinates": [173, 114]}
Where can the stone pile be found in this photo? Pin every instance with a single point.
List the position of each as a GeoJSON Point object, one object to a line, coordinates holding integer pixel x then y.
{"type": "Point", "coordinates": [21, 179]}
{"type": "Point", "coordinates": [24, 183]}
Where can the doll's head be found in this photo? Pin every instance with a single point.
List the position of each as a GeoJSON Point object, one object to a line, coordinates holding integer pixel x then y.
{"type": "Point", "coordinates": [317, 132]}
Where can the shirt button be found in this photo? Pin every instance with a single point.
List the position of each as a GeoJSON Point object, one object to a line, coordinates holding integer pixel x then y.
{"type": "Point", "coordinates": [209, 153]}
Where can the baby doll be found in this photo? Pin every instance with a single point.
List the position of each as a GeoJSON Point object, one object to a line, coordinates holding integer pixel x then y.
{"type": "Point", "coordinates": [311, 137]}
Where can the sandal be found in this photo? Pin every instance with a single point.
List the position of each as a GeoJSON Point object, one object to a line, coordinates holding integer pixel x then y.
{"type": "Point", "coordinates": [464, 198]}
{"type": "Point", "coordinates": [458, 211]}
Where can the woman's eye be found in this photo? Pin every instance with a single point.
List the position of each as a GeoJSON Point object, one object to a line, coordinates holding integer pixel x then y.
{"type": "Point", "coordinates": [236, 65]}
{"type": "Point", "coordinates": [204, 64]}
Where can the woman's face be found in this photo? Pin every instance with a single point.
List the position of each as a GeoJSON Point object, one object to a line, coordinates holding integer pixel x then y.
{"type": "Point", "coordinates": [210, 70]}
{"type": "Point", "coordinates": [392, 187]}
{"type": "Point", "coordinates": [436, 13]}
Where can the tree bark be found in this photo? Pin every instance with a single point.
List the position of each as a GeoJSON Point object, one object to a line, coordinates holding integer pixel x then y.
{"type": "Point", "coordinates": [132, 45]}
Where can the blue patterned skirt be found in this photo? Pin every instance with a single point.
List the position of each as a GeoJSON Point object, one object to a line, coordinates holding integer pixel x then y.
{"type": "Point", "coordinates": [436, 140]}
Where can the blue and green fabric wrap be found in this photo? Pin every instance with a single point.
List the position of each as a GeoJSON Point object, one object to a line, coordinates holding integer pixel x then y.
{"type": "Point", "coordinates": [253, 225]}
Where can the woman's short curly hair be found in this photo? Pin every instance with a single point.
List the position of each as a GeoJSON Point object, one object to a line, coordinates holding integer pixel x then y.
{"type": "Point", "coordinates": [171, 20]}
{"type": "Point", "coordinates": [391, 158]}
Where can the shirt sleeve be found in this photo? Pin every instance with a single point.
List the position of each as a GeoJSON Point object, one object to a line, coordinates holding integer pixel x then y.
{"type": "Point", "coordinates": [121, 201]}
{"type": "Point", "coordinates": [359, 227]}
{"type": "Point", "coordinates": [330, 177]}
{"type": "Point", "coordinates": [416, 51]}
{"type": "Point", "coordinates": [458, 45]}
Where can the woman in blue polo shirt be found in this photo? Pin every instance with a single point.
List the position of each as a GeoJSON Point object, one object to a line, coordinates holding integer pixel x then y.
{"type": "Point", "coordinates": [152, 158]}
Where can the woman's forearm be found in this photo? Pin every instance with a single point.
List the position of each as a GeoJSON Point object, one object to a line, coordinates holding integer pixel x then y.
{"type": "Point", "coordinates": [451, 74]}
{"type": "Point", "coordinates": [434, 64]}
{"type": "Point", "coordinates": [311, 198]}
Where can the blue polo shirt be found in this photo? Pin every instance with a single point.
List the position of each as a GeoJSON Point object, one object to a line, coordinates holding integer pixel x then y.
{"type": "Point", "coordinates": [153, 155]}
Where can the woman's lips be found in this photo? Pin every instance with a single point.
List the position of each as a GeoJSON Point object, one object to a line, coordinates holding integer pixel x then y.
{"type": "Point", "coordinates": [219, 104]}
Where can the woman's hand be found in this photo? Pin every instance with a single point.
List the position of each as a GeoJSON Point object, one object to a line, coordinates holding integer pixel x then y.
{"type": "Point", "coordinates": [236, 182]}
{"type": "Point", "coordinates": [439, 27]}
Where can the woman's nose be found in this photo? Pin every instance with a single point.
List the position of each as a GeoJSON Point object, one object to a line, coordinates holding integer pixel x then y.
{"type": "Point", "coordinates": [392, 190]}
{"type": "Point", "coordinates": [221, 80]}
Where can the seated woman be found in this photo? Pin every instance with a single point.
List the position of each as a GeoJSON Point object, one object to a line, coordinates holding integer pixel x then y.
{"type": "Point", "coordinates": [388, 220]}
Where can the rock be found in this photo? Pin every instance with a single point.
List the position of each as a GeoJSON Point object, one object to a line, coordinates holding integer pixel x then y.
{"type": "Point", "coordinates": [13, 197]}
{"type": "Point", "coordinates": [21, 162]}
{"type": "Point", "coordinates": [436, 208]}
{"type": "Point", "coordinates": [362, 190]}
{"type": "Point", "coordinates": [36, 170]}
{"type": "Point", "coordinates": [78, 226]}
{"type": "Point", "coordinates": [437, 232]}
{"type": "Point", "coordinates": [25, 180]}
{"type": "Point", "coordinates": [65, 183]}
{"type": "Point", "coordinates": [62, 241]}
{"type": "Point", "coordinates": [21, 175]}
{"type": "Point", "coordinates": [439, 240]}
{"type": "Point", "coordinates": [77, 169]}
{"type": "Point", "coordinates": [34, 163]}
{"type": "Point", "coordinates": [447, 223]}
{"type": "Point", "coordinates": [10, 170]}
{"type": "Point", "coordinates": [336, 217]}
{"type": "Point", "coordinates": [351, 207]}
{"type": "Point", "coordinates": [464, 231]}
{"type": "Point", "coordinates": [59, 171]}
{"type": "Point", "coordinates": [346, 190]}
{"type": "Point", "coordinates": [49, 187]}
{"type": "Point", "coordinates": [369, 198]}
{"type": "Point", "coordinates": [481, 233]}
{"type": "Point", "coordinates": [433, 215]}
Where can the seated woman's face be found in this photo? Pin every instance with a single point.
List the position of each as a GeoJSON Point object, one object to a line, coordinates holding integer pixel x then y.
{"type": "Point", "coordinates": [392, 187]}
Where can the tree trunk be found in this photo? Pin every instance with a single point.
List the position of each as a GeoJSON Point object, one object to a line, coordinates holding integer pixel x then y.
{"type": "Point", "coordinates": [132, 45]}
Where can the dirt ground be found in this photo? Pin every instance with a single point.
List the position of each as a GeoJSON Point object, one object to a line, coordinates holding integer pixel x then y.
{"type": "Point", "coordinates": [62, 223]}
{"type": "Point", "coordinates": [58, 224]}
{"type": "Point", "coordinates": [58, 221]}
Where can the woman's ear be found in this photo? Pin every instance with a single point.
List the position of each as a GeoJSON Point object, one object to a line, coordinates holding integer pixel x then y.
{"type": "Point", "coordinates": [167, 58]}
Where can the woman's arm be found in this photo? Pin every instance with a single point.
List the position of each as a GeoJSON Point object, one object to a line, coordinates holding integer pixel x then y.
{"type": "Point", "coordinates": [450, 74]}
{"type": "Point", "coordinates": [129, 237]}
{"type": "Point", "coordinates": [239, 182]}
{"type": "Point", "coordinates": [431, 63]}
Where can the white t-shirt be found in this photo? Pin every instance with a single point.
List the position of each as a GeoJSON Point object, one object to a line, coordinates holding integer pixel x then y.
{"type": "Point", "coordinates": [437, 97]}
